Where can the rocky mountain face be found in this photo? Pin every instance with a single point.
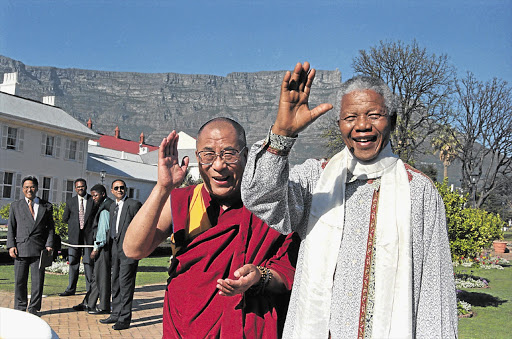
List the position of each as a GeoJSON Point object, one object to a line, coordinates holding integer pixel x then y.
{"type": "Point", "coordinates": [155, 104]}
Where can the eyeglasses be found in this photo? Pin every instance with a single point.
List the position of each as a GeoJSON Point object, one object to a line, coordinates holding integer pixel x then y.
{"type": "Point", "coordinates": [230, 156]}
{"type": "Point", "coordinates": [117, 188]}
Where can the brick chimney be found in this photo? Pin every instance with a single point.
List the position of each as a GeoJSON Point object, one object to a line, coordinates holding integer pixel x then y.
{"type": "Point", "coordinates": [141, 139]}
{"type": "Point", "coordinates": [89, 123]}
{"type": "Point", "coordinates": [117, 133]}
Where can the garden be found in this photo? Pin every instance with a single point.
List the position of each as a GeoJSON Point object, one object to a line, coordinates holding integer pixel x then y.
{"type": "Point", "coordinates": [483, 277]}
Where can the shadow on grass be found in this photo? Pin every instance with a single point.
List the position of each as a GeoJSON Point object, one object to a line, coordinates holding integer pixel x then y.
{"type": "Point", "coordinates": [151, 288]}
{"type": "Point", "coordinates": [151, 269]}
{"type": "Point", "coordinates": [480, 299]}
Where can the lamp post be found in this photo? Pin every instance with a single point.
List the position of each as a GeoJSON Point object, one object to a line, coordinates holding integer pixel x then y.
{"type": "Point", "coordinates": [473, 178]}
{"type": "Point", "coordinates": [103, 173]}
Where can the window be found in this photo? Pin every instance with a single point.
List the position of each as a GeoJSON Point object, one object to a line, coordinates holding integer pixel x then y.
{"type": "Point", "coordinates": [12, 138]}
{"type": "Point", "coordinates": [74, 150]}
{"type": "Point", "coordinates": [7, 185]}
{"type": "Point", "coordinates": [10, 185]}
{"type": "Point", "coordinates": [50, 145]}
{"type": "Point", "coordinates": [44, 188]}
{"type": "Point", "coordinates": [133, 193]}
{"type": "Point", "coordinates": [48, 189]}
{"type": "Point", "coordinates": [67, 189]}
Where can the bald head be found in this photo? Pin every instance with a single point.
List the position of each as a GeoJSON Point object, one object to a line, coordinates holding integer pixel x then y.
{"type": "Point", "coordinates": [222, 122]}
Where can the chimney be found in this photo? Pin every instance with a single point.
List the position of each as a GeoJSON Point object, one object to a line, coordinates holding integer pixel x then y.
{"type": "Point", "coordinates": [117, 133]}
{"type": "Point", "coordinates": [9, 84]}
{"type": "Point", "coordinates": [49, 100]}
{"type": "Point", "coordinates": [141, 139]}
{"type": "Point", "coordinates": [89, 123]}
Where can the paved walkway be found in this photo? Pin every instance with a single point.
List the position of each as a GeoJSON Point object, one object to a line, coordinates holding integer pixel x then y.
{"type": "Point", "coordinates": [67, 323]}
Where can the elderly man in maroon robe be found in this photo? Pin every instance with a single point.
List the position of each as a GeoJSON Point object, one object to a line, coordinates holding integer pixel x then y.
{"type": "Point", "coordinates": [231, 274]}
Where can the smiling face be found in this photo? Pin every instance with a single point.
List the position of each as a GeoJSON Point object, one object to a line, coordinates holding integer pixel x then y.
{"type": "Point", "coordinates": [29, 189]}
{"type": "Point", "coordinates": [221, 180]}
{"type": "Point", "coordinates": [364, 123]}
{"type": "Point", "coordinates": [81, 188]}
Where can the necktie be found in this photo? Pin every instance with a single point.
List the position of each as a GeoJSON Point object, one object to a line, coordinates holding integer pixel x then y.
{"type": "Point", "coordinates": [31, 207]}
{"type": "Point", "coordinates": [81, 214]}
{"type": "Point", "coordinates": [113, 226]}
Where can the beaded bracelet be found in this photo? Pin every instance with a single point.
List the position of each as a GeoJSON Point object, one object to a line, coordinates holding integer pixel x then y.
{"type": "Point", "coordinates": [266, 277]}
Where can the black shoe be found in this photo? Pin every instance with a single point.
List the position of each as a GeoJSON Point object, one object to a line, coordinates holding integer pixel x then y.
{"type": "Point", "coordinates": [81, 307]}
{"type": "Point", "coordinates": [98, 311]}
{"type": "Point", "coordinates": [36, 313]}
{"type": "Point", "coordinates": [109, 320]}
{"type": "Point", "coordinates": [66, 294]}
{"type": "Point", "coordinates": [121, 325]}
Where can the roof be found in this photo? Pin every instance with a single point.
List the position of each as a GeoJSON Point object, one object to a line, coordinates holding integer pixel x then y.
{"type": "Point", "coordinates": [152, 157]}
{"type": "Point", "coordinates": [121, 167]}
{"type": "Point", "coordinates": [119, 144]}
{"type": "Point", "coordinates": [36, 113]}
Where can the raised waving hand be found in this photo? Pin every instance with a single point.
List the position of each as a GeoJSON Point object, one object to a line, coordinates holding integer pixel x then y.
{"type": "Point", "coordinates": [170, 172]}
{"type": "Point", "coordinates": [294, 115]}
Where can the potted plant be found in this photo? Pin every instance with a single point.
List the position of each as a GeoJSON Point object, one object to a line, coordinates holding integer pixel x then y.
{"type": "Point", "coordinates": [499, 246]}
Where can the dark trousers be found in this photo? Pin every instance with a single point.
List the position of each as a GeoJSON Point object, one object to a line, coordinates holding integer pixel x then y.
{"type": "Point", "coordinates": [101, 282]}
{"type": "Point", "coordinates": [21, 268]}
{"type": "Point", "coordinates": [75, 253]}
{"type": "Point", "coordinates": [124, 271]}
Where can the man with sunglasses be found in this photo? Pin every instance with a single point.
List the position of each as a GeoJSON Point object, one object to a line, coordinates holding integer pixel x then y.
{"type": "Point", "coordinates": [230, 275]}
{"type": "Point", "coordinates": [124, 269]}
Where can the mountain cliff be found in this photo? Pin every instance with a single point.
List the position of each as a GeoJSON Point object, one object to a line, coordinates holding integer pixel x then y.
{"type": "Point", "coordinates": [156, 103]}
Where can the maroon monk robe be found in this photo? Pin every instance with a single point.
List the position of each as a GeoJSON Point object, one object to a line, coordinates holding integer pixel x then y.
{"type": "Point", "coordinates": [193, 307]}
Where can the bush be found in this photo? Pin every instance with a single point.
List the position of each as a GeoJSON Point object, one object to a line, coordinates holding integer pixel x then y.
{"type": "Point", "coordinates": [4, 211]}
{"type": "Point", "coordinates": [470, 230]}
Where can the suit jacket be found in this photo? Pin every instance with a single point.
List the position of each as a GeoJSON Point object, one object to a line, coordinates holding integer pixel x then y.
{"type": "Point", "coordinates": [70, 217]}
{"type": "Point", "coordinates": [130, 208]}
{"type": "Point", "coordinates": [30, 236]}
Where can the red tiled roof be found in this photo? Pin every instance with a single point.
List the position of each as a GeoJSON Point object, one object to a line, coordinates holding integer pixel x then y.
{"type": "Point", "coordinates": [120, 144]}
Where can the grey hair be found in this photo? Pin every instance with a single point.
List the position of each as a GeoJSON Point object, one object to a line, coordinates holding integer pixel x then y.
{"type": "Point", "coordinates": [362, 82]}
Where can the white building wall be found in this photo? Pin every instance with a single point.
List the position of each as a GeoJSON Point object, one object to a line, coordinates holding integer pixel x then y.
{"type": "Point", "coordinates": [30, 161]}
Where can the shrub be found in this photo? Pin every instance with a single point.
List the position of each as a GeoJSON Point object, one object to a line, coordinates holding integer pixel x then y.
{"type": "Point", "coordinates": [4, 211]}
{"type": "Point", "coordinates": [61, 228]}
{"type": "Point", "coordinates": [470, 230]}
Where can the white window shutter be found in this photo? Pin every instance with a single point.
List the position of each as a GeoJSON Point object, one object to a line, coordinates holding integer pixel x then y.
{"type": "Point", "coordinates": [20, 141]}
{"type": "Point", "coordinates": [1, 177]}
{"type": "Point", "coordinates": [54, 185]}
{"type": "Point", "coordinates": [80, 151]}
{"type": "Point", "coordinates": [17, 191]}
{"type": "Point", "coordinates": [136, 193]}
{"type": "Point", "coordinates": [57, 147]}
{"type": "Point", "coordinates": [4, 136]}
{"type": "Point", "coordinates": [43, 144]}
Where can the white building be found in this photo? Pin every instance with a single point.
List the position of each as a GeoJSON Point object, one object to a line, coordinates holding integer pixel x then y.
{"type": "Point", "coordinates": [42, 140]}
{"type": "Point", "coordinates": [112, 157]}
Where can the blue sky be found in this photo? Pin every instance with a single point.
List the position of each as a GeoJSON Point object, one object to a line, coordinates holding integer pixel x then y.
{"type": "Point", "coordinates": [222, 36]}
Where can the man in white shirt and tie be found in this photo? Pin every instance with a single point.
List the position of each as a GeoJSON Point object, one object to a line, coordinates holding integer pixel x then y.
{"type": "Point", "coordinates": [79, 215]}
{"type": "Point", "coordinates": [30, 230]}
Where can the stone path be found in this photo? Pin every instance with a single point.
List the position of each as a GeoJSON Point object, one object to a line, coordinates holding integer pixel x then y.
{"type": "Point", "coordinates": [67, 323]}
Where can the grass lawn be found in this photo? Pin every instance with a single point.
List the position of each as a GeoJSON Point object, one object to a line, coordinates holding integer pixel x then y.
{"type": "Point", "coordinates": [493, 305]}
{"type": "Point", "coordinates": [152, 270]}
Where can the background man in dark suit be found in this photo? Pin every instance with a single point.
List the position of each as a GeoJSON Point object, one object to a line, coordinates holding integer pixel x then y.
{"type": "Point", "coordinates": [30, 229]}
{"type": "Point", "coordinates": [101, 284]}
{"type": "Point", "coordinates": [79, 215]}
{"type": "Point", "coordinates": [124, 269]}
